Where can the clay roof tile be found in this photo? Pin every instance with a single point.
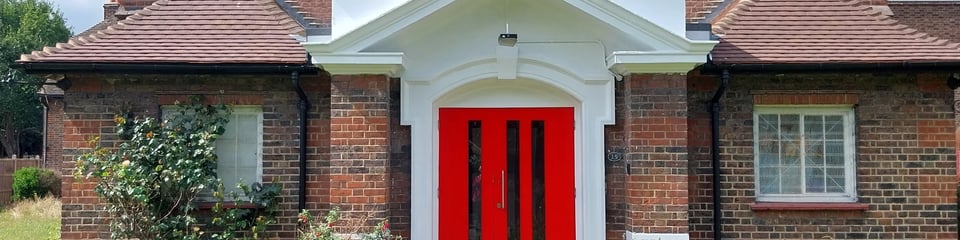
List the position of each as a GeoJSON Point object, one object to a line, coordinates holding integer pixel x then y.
{"type": "Point", "coordinates": [815, 31]}
{"type": "Point", "coordinates": [187, 31]}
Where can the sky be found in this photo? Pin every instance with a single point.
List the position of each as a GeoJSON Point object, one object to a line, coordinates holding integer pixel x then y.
{"type": "Point", "coordinates": [80, 14]}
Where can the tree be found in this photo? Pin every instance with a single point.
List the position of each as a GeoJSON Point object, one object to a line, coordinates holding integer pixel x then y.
{"type": "Point", "coordinates": [25, 26]}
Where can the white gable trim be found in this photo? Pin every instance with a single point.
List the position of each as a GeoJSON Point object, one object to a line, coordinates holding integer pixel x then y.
{"type": "Point", "coordinates": [415, 10]}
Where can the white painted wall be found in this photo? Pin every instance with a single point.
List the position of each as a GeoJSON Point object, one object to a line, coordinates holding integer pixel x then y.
{"type": "Point", "coordinates": [350, 14]}
{"type": "Point", "coordinates": [669, 14]}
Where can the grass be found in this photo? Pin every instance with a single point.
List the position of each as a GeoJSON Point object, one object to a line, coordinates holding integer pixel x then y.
{"type": "Point", "coordinates": [31, 219]}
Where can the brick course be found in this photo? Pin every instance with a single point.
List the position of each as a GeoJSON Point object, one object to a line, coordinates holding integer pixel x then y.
{"type": "Point", "coordinates": [905, 167]}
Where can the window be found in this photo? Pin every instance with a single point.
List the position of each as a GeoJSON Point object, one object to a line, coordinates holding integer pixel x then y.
{"type": "Point", "coordinates": [804, 154]}
{"type": "Point", "coordinates": [239, 148]}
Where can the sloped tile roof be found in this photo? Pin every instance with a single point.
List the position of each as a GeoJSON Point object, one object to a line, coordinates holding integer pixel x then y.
{"type": "Point", "coordinates": [188, 31]}
{"type": "Point", "coordinates": [821, 31]}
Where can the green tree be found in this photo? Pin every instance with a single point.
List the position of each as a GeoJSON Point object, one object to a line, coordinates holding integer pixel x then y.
{"type": "Point", "coordinates": [25, 26]}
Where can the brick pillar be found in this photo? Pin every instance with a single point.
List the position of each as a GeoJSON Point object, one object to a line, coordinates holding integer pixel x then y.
{"type": "Point", "coordinates": [359, 146]}
{"type": "Point", "coordinates": [54, 144]}
{"type": "Point", "coordinates": [656, 185]}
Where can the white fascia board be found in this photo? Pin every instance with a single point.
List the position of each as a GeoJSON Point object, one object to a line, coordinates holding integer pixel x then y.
{"type": "Point", "coordinates": [390, 64]}
{"type": "Point", "coordinates": [627, 62]}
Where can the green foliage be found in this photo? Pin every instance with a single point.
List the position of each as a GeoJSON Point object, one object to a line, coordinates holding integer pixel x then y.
{"type": "Point", "coordinates": [313, 229]}
{"type": "Point", "coordinates": [34, 182]}
{"type": "Point", "coordinates": [25, 25]}
{"type": "Point", "coordinates": [153, 179]}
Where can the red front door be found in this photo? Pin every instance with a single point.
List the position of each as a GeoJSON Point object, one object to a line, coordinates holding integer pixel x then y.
{"type": "Point", "coordinates": [507, 173]}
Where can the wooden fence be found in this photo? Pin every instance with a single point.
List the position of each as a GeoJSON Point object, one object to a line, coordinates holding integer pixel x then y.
{"type": "Point", "coordinates": [7, 167]}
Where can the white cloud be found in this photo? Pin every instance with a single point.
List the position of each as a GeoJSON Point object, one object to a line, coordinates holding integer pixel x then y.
{"type": "Point", "coordinates": [80, 14]}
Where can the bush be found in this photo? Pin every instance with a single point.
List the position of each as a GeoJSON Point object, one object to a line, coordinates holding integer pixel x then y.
{"type": "Point", "coordinates": [30, 182]}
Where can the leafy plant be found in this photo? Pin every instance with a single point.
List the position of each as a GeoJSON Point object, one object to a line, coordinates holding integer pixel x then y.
{"type": "Point", "coordinates": [326, 229]}
{"type": "Point", "coordinates": [153, 179]}
{"type": "Point", "coordinates": [33, 182]}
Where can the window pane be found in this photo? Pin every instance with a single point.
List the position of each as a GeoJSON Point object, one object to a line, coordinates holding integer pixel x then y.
{"type": "Point", "coordinates": [768, 127]}
{"type": "Point", "coordinates": [834, 153]}
{"type": "Point", "coordinates": [790, 179]}
{"type": "Point", "coordinates": [248, 128]}
{"type": "Point", "coordinates": [813, 127]}
{"type": "Point", "coordinates": [247, 175]}
{"type": "Point", "coordinates": [833, 126]}
{"type": "Point", "coordinates": [769, 153]}
{"type": "Point", "coordinates": [789, 127]}
{"type": "Point", "coordinates": [475, 197]}
{"type": "Point", "coordinates": [835, 180]}
{"type": "Point", "coordinates": [815, 180]}
{"type": "Point", "coordinates": [769, 180]}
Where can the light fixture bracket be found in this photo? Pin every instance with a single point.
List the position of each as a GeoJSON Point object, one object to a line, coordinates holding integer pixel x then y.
{"type": "Point", "coordinates": [507, 39]}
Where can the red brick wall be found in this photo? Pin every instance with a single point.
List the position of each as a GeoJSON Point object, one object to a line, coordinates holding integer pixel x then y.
{"type": "Point", "coordinates": [696, 9]}
{"type": "Point", "coordinates": [905, 164]}
{"type": "Point", "coordinates": [939, 19]}
{"type": "Point", "coordinates": [93, 99]}
{"type": "Point", "coordinates": [647, 191]}
{"type": "Point", "coordinates": [54, 145]}
{"type": "Point", "coordinates": [318, 12]}
{"type": "Point", "coordinates": [360, 146]}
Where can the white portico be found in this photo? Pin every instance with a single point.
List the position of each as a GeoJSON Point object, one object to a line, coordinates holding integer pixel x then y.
{"type": "Point", "coordinates": [569, 54]}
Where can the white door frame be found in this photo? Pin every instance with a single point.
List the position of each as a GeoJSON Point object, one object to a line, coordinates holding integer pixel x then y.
{"type": "Point", "coordinates": [539, 84]}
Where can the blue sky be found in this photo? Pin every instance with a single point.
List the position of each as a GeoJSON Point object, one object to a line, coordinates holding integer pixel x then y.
{"type": "Point", "coordinates": [80, 14]}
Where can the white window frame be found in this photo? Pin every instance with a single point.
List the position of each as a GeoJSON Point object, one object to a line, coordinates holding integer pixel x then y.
{"type": "Point", "coordinates": [238, 109]}
{"type": "Point", "coordinates": [849, 143]}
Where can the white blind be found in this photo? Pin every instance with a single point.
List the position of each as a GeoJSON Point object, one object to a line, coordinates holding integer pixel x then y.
{"type": "Point", "coordinates": [239, 149]}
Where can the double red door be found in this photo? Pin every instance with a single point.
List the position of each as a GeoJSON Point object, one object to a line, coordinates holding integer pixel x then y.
{"type": "Point", "coordinates": [507, 173]}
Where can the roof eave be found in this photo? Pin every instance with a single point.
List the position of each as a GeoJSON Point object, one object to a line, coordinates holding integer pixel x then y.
{"type": "Point", "coordinates": [713, 67]}
{"type": "Point", "coordinates": [165, 68]}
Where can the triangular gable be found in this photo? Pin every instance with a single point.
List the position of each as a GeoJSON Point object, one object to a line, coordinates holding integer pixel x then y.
{"type": "Point", "coordinates": [664, 45]}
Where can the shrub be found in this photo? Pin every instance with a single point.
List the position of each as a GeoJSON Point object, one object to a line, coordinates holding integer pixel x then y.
{"type": "Point", "coordinates": [34, 182]}
{"type": "Point", "coordinates": [325, 228]}
{"type": "Point", "coordinates": [150, 181]}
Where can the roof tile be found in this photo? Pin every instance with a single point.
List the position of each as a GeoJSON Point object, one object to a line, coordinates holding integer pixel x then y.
{"type": "Point", "coordinates": [185, 31]}
{"type": "Point", "coordinates": [814, 31]}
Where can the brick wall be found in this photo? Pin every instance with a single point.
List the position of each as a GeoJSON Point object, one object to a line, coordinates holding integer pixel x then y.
{"type": "Point", "coordinates": [93, 99]}
{"type": "Point", "coordinates": [939, 19]}
{"type": "Point", "coordinates": [360, 146]}
{"type": "Point", "coordinates": [54, 145]}
{"type": "Point", "coordinates": [318, 12]}
{"type": "Point", "coordinates": [647, 191]}
{"type": "Point", "coordinates": [905, 163]}
{"type": "Point", "coordinates": [697, 9]}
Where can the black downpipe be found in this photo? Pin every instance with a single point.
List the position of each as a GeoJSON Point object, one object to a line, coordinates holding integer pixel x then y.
{"type": "Point", "coordinates": [715, 150]}
{"type": "Point", "coordinates": [303, 105]}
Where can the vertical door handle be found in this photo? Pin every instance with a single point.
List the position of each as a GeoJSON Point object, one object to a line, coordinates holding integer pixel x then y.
{"type": "Point", "coordinates": [503, 192]}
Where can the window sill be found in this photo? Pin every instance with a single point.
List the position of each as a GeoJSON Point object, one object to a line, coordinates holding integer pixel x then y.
{"type": "Point", "coordinates": [226, 205]}
{"type": "Point", "coordinates": [789, 206]}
